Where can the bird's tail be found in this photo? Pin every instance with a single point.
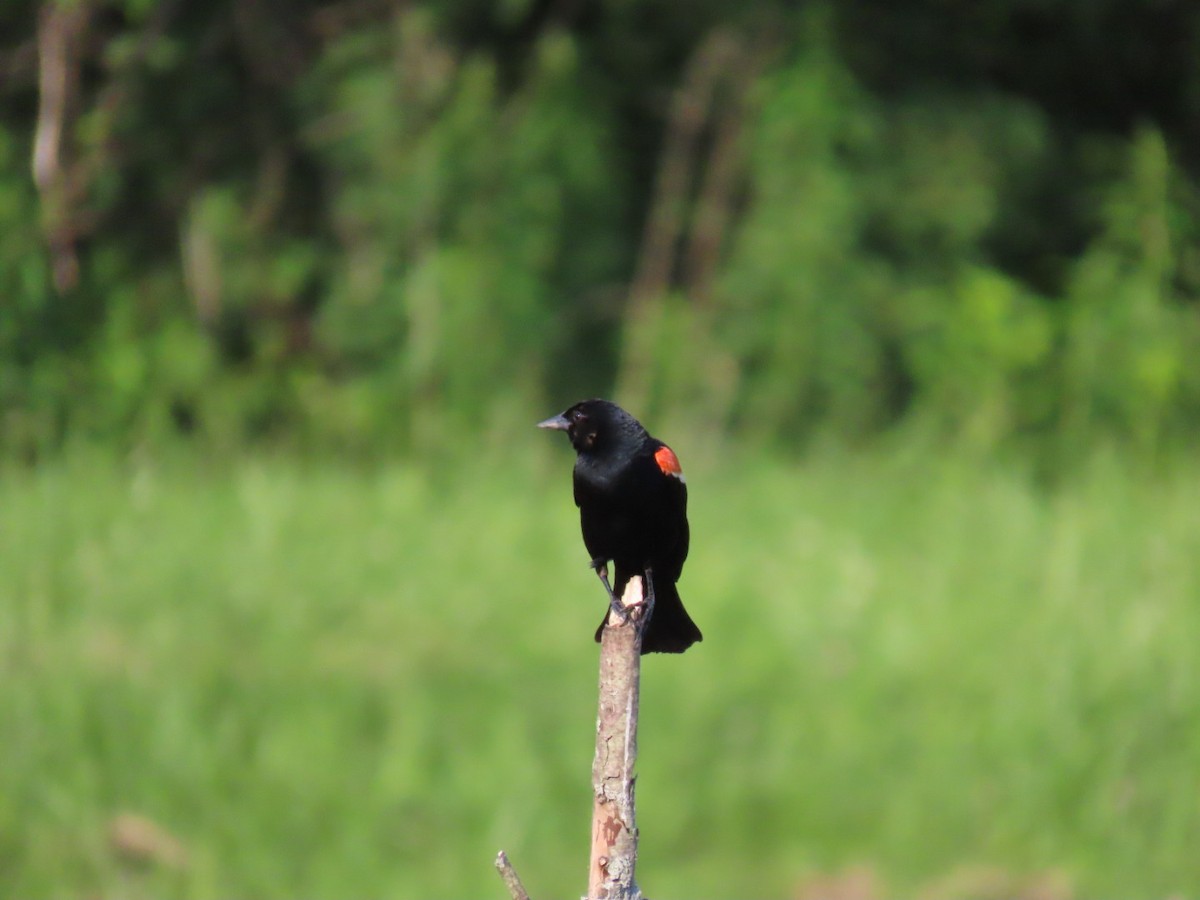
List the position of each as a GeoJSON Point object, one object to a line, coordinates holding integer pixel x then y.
{"type": "Point", "coordinates": [670, 629]}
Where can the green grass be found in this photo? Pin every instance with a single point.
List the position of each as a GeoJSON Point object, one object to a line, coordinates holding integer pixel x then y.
{"type": "Point", "coordinates": [334, 682]}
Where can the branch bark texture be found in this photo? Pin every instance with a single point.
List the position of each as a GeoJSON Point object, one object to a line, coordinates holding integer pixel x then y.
{"type": "Point", "coordinates": [614, 820]}
{"type": "Point", "coordinates": [509, 876]}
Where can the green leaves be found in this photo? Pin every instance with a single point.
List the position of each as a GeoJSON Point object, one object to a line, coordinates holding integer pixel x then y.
{"type": "Point", "coordinates": [395, 227]}
{"type": "Point", "coordinates": [1129, 333]}
{"type": "Point", "coordinates": [457, 206]}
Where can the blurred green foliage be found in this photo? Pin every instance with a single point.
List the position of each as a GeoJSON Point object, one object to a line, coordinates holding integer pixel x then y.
{"type": "Point", "coordinates": [358, 225]}
{"type": "Point", "coordinates": [319, 680]}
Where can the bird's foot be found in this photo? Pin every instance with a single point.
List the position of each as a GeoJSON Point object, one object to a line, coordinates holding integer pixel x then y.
{"type": "Point", "coordinates": [619, 609]}
{"type": "Point", "coordinates": [614, 602]}
{"type": "Point", "coordinates": [648, 599]}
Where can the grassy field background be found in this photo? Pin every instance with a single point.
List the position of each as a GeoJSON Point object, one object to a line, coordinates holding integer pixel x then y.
{"type": "Point", "coordinates": [277, 679]}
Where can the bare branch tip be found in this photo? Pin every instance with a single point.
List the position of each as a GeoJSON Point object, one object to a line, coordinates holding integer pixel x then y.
{"type": "Point", "coordinates": [508, 874]}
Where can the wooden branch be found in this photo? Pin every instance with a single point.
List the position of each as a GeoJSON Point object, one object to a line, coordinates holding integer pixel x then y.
{"type": "Point", "coordinates": [512, 881]}
{"type": "Point", "coordinates": [691, 108]}
{"type": "Point", "coordinates": [713, 207]}
{"type": "Point", "coordinates": [60, 31]}
{"type": "Point", "coordinates": [64, 168]}
{"type": "Point", "coordinates": [690, 113]}
{"type": "Point", "coordinates": [614, 820]}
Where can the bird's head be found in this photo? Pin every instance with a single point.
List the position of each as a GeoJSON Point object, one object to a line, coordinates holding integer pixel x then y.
{"type": "Point", "coordinates": [592, 425]}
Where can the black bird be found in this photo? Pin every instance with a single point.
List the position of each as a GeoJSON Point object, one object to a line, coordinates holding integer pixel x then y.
{"type": "Point", "coordinates": [632, 501]}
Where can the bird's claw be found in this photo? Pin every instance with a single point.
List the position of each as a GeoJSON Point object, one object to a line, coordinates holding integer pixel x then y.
{"type": "Point", "coordinates": [619, 609]}
{"type": "Point", "coordinates": [644, 605]}
{"type": "Point", "coordinates": [648, 599]}
{"type": "Point", "coordinates": [601, 566]}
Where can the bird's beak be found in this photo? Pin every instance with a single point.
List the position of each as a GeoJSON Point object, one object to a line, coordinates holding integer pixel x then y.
{"type": "Point", "coordinates": [556, 423]}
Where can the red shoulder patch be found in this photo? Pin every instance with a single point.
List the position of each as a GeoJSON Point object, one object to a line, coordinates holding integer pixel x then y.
{"type": "Point", "coordinates": [668, 462]}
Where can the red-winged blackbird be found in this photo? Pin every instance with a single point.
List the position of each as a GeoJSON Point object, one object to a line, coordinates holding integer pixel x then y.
{"type": "Point", "coordinates": [632, 503]}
